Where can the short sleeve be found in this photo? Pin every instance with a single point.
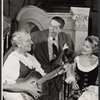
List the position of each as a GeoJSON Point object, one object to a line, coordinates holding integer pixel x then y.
{"type": "Point", "coordinates": [11, 69]}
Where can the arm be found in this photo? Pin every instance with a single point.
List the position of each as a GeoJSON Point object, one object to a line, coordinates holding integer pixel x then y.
{"type": "Point", "coordinates": [71, 74]}
{"type": "Point", "coordinates": [32, 90]}
{"type": "Point", "coordinates": [14, 87]}
{"type": "Point", "coordinates": [10, 75]}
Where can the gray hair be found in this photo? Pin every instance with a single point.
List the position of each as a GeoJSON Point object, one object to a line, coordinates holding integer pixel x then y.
{"type": "Point", "coordinates": [18, 36]}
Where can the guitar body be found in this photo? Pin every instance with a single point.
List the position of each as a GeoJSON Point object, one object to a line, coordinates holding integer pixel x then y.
{"type": "Point", "coordinates": [32, 79]}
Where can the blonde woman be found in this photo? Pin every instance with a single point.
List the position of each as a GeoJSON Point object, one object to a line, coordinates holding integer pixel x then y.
{"type": "Point", "coordinates": [85, 67]}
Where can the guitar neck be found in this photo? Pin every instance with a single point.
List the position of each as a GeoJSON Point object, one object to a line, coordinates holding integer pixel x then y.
{"type": "Point", "coordinates": [50, 75]}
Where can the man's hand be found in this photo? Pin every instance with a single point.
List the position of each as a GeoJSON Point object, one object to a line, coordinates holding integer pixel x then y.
{"type": "Point", "coordinates": [65, 46]}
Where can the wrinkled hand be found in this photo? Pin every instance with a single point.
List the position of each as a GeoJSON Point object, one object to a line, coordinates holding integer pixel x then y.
{"type": "Point", "coordinates": [75, 86]}
{"type": "Point", "coordinates": [69, 79]}
{"type": "Point", "coordinates": [65, 68]}
{"type": "Point", "coordinates": [34, 91]}
{"type": "Point", "coordinates": [65, 46]}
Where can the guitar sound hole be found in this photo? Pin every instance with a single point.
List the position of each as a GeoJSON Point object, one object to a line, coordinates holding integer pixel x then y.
{"type": "Point", "coordinates": [33, 82]}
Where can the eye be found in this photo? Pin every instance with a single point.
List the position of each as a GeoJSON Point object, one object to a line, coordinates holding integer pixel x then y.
{"type": "Point", "coordinates": [50, 25]}
{"type": "Point", "coordinates": [55, 27]}
{"type": "Point", "coordinates": [83, 44]}
{"type": "Point", "coordinates": [87, 46]}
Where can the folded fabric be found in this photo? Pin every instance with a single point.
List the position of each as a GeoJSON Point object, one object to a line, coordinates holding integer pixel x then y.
{"type": "Point", "coordinates": [90, 94]}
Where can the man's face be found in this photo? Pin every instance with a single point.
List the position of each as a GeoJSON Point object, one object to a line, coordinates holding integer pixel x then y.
{"type": "Point", "coordinates": [54, 28]}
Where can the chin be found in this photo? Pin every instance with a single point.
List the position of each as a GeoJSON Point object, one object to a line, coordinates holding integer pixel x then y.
{"type": "Point", "coordinates": [84, 53]}
{"type": "Point", "coordinates": [29, 49]}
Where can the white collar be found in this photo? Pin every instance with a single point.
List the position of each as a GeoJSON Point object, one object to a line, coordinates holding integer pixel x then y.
{"type": "Point", "coordinates": [86, 69]}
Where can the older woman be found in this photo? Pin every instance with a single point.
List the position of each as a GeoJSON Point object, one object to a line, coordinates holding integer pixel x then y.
{"type": "Point", "coordinates": [86, 67]}
{"type": "Point", "coordinates": [18, 65]}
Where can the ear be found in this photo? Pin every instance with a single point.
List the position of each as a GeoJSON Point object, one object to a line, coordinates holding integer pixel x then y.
{"type": "Point", "coordinates": [60, 30]}
{"type": "Point", "coordinates": [19, 44]}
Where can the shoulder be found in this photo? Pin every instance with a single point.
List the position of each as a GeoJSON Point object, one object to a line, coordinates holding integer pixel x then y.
{"type": "Point", "coordinates": [13, 55]}
{"type": "Point", "coordinates": [94, 59]}
{"type": "Point", "coordinates": [76, 58]}
{"type": "Point", "coordinates": [12, 59]}
{"type": "Point", "coordinates": [62, 34]}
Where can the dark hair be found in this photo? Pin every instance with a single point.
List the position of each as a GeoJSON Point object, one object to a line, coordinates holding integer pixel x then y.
{"type": "Point", "coordinates": [93, 40]}
{"type": "Point", "coordinates": [60, 20]}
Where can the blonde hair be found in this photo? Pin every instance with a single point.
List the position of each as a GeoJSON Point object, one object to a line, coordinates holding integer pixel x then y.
{"type": "Point", "coordinates": [93, 40]}
{"type": "Point", "coordinates": [18, 36]}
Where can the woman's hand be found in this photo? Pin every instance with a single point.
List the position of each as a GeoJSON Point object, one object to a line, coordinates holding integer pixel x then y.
{"type": "Point", "coordinates": [75, 85]}
{"type": "Point", "coordinates": [29, 89]}
{"type": "Point", "coordinates": [34, 91]}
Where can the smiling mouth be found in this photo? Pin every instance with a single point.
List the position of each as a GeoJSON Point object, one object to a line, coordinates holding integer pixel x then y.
{"type": "Point", "coordinates": [83, 51]}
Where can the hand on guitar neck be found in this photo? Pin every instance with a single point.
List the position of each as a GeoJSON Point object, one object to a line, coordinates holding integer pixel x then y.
{"type": "Point", "coordinates": [68, 62]}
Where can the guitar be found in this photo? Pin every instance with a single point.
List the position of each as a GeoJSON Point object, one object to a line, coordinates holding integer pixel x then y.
{"type": "Point", "coordinates": [40, 82]}
{"type": "Point", "coordinates": [36, 77]}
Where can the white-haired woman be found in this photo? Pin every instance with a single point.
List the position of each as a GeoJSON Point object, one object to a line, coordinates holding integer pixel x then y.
{"type": "Point", "coordinates": [18, 65]}
{"type": "Point", "coordinates": [85, 68]}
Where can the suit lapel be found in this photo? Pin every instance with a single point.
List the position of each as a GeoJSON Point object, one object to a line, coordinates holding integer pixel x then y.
{"type": "Point", "coordinates": [60, 43]}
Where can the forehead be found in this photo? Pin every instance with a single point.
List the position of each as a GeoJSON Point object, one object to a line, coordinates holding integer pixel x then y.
{"type": "Point", "coordinates": [88, 43]}
{"type": "Point", "coordinates": [26, 37]}
{"type": "Point", "coordinates": [54, 23]}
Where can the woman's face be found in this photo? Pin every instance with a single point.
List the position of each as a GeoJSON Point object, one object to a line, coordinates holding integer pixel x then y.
{"type": "Point", "coordinates": [87, 48]}
{"type": "Point", "coordinates": [26, 42]}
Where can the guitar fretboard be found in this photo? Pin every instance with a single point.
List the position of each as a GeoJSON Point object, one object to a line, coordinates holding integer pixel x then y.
{"type": "Point", "coordinates": [50, 75]}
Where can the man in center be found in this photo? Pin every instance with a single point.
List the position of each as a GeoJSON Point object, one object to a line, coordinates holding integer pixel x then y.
{"type": "Point", "coordinates": [48, 45]}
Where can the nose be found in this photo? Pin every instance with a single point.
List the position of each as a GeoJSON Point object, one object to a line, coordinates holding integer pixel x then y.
{"type": "Point", "coordinates": [83, 47]}
{"type": "Point", "coordinates": [51, 28]}
{"type": "Point", "coordinates": [31, 42]}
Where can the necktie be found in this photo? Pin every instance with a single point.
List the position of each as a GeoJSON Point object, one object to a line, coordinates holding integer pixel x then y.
{"type": "Point", "coordinates": [55, 50]}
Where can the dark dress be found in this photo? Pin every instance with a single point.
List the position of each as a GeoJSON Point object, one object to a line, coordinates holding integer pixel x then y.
{"type": "Point", "coordinates": [85, 77]}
